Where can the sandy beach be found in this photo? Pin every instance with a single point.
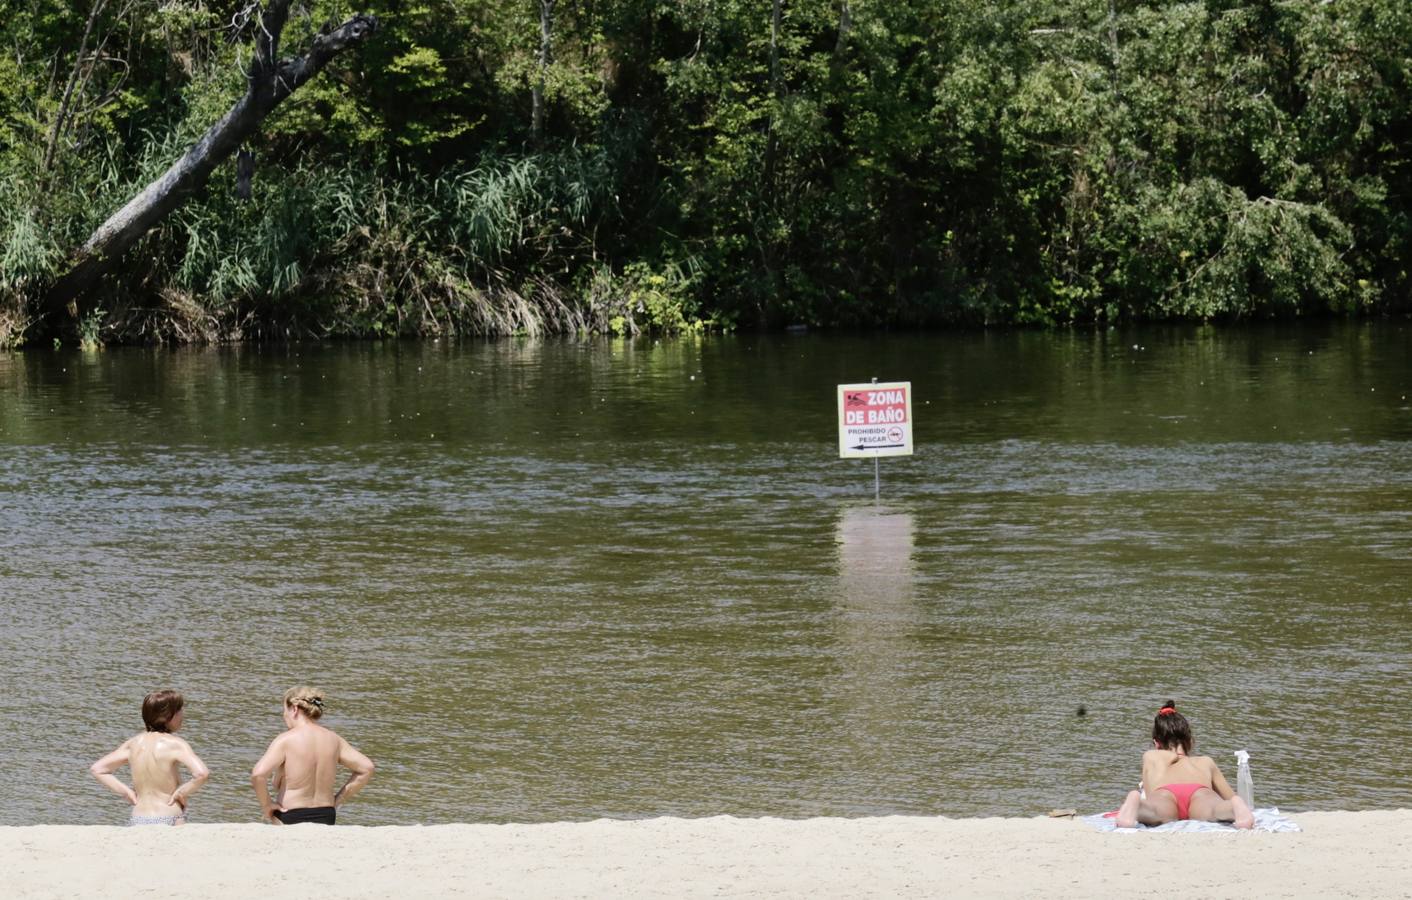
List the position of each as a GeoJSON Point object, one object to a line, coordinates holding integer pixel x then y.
{"type": "Point", "coordinates": [1363, 854]}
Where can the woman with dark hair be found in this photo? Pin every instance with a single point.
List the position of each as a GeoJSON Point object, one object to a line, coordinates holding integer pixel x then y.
{"type": "Point", "coordinates": [1179, 785]}
{"type": "Point", "coordinates": [158, 796]}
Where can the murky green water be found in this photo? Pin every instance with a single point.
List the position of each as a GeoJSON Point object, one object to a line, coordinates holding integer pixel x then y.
{"type": "Point", "coordinates": [564, 580]}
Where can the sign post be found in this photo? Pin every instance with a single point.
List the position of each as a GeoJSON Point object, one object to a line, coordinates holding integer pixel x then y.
{"type": "Point", "coordinates": [875, 420]}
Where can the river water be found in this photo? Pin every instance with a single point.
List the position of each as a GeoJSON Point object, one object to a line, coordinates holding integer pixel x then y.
{"type": "Point", "coordinates": [561, 580]}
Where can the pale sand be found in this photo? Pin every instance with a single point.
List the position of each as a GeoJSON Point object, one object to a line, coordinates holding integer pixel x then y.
{"type": "Point", "coordinates": [1365, 854]}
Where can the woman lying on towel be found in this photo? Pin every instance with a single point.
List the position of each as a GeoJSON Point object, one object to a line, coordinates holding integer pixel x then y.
{"type": "Point", "coordinates": [1180, 786]}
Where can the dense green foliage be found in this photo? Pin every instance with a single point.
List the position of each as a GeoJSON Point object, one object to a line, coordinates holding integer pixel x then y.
{"type": "Point", "coordinates": [870, 162]}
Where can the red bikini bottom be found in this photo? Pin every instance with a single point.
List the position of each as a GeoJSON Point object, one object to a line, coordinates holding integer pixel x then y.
{"type": "Point", "coordinates": [1182, 793]}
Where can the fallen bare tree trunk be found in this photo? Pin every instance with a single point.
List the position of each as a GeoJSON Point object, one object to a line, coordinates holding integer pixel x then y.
{"type": "Point", "coordinates": [270, 81]}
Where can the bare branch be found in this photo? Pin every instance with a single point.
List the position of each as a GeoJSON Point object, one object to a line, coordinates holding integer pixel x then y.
{"type": "Point", "coordinates": [58, 125]}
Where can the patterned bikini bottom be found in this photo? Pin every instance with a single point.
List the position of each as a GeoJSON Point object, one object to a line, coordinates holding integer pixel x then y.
{"type": "Point", "coordinates": [178, 819]}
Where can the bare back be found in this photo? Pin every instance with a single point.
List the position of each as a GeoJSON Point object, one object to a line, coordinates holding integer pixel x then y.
{"type": "Point", "coordinates": [1209, 797]}
{"type": "Point", "coordinates": [304, 762]}
{"type": "Point", "coordinates": [1164, 767]}
{"type": "Point", "coordinates": [153, 759]}
{"type": "Point", "coordinates": [309, 768]}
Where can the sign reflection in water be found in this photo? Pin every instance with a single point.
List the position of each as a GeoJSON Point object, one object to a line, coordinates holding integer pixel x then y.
{"type": "Point", "coordinates": [878, 617]}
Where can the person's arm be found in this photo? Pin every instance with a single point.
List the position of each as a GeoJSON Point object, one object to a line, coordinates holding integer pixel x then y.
{"type": "Point", "coordinates": [1146, 778]}
{"type": "Point", "coordinates": [103, 770]}
{"type": "Point", "coordinates": [359, 765]}
{"type": "Point", "coordinates": [260, 776]}
{"type": "Point", "coordinates": [1218, 781]}
{"type": "Point", "coordinates": [199, 773]}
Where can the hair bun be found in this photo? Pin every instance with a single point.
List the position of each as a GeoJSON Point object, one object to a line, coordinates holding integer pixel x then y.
{"type": "Point", "coordinates": [309, 699]}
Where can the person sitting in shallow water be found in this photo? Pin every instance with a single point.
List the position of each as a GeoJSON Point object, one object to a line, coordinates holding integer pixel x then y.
{"type": "Point", "coordinates": [1179, 785]}
{"type": "Point", "coordinates": [304, 761]}
{"type": "Point", "coordinates": [158, 795]}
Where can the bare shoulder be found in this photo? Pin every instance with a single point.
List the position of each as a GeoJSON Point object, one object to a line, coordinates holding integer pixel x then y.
{"type": "Point", "coordinates": [1152, 763]}
{"type": "Point", "coordinates": [280, 739]}
{"type": "Point", "coordinates": [171, 745]}
{"type": "Point", "coordinates": [125, 749]}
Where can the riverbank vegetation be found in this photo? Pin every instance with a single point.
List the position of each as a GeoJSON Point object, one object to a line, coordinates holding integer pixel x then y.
{"type": "Point", "coordinates": [619, 166]}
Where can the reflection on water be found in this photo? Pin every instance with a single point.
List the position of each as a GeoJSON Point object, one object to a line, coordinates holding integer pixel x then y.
{"type": "Point", "coordinates": [562, 580]}
{"type": "Point", "coordinates": [877, 612]}
{"type": "Point", "coordinates": [878, 620]}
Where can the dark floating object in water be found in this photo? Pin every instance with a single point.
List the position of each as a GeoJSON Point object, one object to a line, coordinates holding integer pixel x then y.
{"type": "Point", "coordinates": [1082, 711]}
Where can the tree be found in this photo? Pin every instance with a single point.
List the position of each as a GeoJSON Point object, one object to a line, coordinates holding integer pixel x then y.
{"type": "Point", "coordinates": [270, 80]}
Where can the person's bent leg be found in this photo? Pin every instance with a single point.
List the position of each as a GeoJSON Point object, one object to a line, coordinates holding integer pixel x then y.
{"type": "Point", "coordinates": [1159, 808]}
{"type": "Point", "coordinates": [1208, 806]}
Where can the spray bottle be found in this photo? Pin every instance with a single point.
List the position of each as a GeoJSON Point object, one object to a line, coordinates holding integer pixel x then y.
{"type": "Point", "coordinates": [1245, 788]}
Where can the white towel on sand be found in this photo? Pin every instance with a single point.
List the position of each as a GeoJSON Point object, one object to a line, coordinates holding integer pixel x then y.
{"type": "Point", "coordinates": [1265, 820]}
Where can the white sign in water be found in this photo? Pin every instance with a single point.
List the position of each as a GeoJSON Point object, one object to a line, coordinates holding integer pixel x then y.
{"type": "Point", "coordinates": [875, 419]}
